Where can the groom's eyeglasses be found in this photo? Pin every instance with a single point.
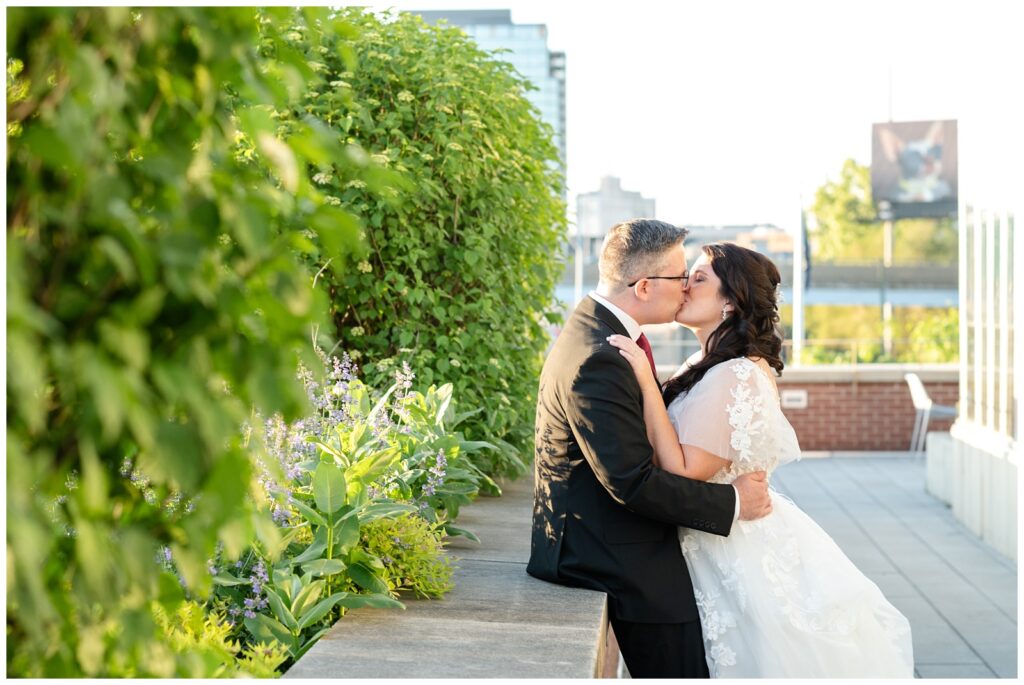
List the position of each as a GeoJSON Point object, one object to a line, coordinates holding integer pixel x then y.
{"type": "Point", "coordinates": [684, 278]}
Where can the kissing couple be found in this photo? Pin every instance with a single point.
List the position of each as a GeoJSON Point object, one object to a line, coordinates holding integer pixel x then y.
{"type": "Point", "coordinates": [658, 495]}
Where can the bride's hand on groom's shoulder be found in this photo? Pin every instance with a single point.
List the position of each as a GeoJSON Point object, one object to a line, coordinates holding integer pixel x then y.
{"type": "Point", "coordinates": [636, 357]}
{"type": "Point", "coordinates": [752, 489]}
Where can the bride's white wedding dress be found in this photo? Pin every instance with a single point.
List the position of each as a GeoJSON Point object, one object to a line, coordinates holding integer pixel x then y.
{"type": "Point", "coordinates": [777, 597]}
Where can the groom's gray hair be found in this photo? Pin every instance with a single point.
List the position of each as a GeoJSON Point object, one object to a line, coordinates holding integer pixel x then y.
{"type": "Point", "coordinates": [635, 249]}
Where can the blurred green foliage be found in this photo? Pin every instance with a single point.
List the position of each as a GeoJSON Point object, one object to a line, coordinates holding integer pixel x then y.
{"type": "Point", "coordinates": [845, 333]}
{"type": "Point", "coordinates": [203, 640]}
{"type": "Point", "coordinates": [460, 274]}
{"type": "Point", "coordinates": [934, 334]}
{"type": "Point", "coordinates": [847, 230]}
{"type": "Point", "coordinates": [155, 294]}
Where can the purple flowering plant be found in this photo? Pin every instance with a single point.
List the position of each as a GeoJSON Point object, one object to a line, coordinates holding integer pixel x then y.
{"type": "Point", "coordinates": [357, 458]}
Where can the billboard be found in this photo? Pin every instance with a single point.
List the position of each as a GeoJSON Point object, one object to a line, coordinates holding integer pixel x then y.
{"type": "Point", "coordinates": [913, 168]}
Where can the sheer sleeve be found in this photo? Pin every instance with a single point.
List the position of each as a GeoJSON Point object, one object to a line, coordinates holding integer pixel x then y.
{"type": "Point", "coordinates": [725, 413]}
{"type": "Point", "coordinates": [690, 361]}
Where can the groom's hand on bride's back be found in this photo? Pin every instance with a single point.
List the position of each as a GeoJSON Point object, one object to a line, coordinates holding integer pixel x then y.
{"type": "Point", "coordinates": [752, 489]}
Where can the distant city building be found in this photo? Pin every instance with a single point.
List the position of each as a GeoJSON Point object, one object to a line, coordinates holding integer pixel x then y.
{"type": "Point", "coordinates": [598, 211]}
{"type": "Point", "coordinates": [528, 53]}
{"type": "Point", "coordinates": [773, 242]}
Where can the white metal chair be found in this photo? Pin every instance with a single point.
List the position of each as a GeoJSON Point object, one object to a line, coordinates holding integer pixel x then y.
{"type": "Point", "coordinates": [926, 411]}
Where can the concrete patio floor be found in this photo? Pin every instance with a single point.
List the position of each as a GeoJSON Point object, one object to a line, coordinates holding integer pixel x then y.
{"type": "Point", "coordinates": [959, 594]}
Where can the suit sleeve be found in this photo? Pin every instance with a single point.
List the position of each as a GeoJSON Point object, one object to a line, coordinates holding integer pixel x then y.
{"type": "Point", "coordinates": [606, 416]}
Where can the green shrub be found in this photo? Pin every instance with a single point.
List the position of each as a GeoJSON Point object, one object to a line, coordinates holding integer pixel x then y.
{"type": "Point", "coordinates": [461, 271]}
{"type": "Point", "coordinates": [154, 295]}
{"type": "Point", "coordinates": [204, 641]}
{"type": "Point", "coordinates": [934, 336]}
{"type": "Point", "coordinates": [411, 550]}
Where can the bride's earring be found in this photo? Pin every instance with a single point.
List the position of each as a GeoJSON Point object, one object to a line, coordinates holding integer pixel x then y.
{"type": "Point", "coordinates": [725, 313]}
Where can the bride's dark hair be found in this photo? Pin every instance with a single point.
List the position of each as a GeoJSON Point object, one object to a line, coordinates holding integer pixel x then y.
{"type": "Point", "coordinates": [749, 281]}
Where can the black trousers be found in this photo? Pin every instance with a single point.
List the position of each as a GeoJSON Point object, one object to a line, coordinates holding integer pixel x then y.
{"type": "Point", "coordinates": [661, 650]}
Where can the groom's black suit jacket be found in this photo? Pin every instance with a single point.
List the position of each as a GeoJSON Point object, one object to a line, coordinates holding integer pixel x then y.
{"type": "Point", "coordinates": [604, 517]}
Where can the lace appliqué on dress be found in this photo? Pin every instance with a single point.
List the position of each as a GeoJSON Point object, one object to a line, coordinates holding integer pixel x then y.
{"type": "Point", "coordinates": [804, 611]}
{"type": "Point", "coordinates": [714, 623]}
{"type": "Point", "coordinates": [746, 414]}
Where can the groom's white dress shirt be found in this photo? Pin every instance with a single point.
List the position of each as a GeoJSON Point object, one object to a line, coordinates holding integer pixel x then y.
{"type": "Point", "coordinates": [634, 330]}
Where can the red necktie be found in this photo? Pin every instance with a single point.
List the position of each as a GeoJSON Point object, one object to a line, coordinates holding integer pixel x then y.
{"type": "Point", "coordinates": [645, 345]}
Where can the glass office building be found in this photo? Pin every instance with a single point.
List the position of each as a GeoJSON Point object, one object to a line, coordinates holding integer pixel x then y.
{"type": "Point", "coordinates": [528, 53]}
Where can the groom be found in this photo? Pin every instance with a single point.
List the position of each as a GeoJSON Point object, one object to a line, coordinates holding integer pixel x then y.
{"type": "Point", "coordinates": [604, 517]}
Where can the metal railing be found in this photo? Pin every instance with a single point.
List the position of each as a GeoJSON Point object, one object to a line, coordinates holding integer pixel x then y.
{"type": "Point", "coordinates": [815, 351]}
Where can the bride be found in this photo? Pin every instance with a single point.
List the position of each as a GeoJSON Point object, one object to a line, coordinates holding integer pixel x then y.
{"type": "Point", "coordinates": [777, 597]}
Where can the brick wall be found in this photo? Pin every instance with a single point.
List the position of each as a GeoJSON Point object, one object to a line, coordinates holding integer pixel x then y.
{"type": "Point", "coordinates": [862, 411]}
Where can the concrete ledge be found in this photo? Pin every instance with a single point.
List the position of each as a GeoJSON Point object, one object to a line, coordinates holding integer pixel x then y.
{"type": "Point", "coordinates": [869, 373]}
{"type": "Point", "coordinates": [856, 373]}
{"type": "Point", "coordinates": [497, 622]}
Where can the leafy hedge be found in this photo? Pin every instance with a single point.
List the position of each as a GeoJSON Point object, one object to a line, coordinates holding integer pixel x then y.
{"type": "Point", "coordinates": [172, 216]}
{"type": "Point", "coordinates": [462, 268]}
{"type": "Point", "coordinates": [154, 294]}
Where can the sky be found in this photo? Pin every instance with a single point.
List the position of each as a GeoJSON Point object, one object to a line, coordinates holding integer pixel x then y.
{"type": "Point", "coordinates": [733, 112]}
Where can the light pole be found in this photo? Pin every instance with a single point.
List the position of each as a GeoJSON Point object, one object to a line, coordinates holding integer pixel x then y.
{"type": "Point", "coordinates": [885, 213]}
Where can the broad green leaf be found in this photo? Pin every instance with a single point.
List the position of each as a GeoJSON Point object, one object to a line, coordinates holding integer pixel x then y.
{"type": "Point", "coordinates": [469, 446]}
{"type": "Point", "coordinates": [324, 567]}
{"type": "Point", "coordinates": [329, 487]}
{"type": "Point", "coordinates": [267, 629]}
{"type": "Point", "coordinates": [444, 394]}
{"type": "Point", "coordinates": [453, 488]}
{"type": "Point", "coordinates": [346, 534]}
{"type": "Point", "coordinates": [130, 344]}
{"type": "Point", "coordinates": [454, 531]}
{"type": "Point", "coordinates": [370, 467]}
{"type": "Point", "coordinates": [462, 416]}
{"type": "Point", "coordinates": [315, 549]}
{"type": "Point", "coordinates": [375, 601]}
{"type": "Point", "coordinates": [284, 615]}
{"type": "Point", "coordinates": [312, 640]}
{"type": "Point", "coordinates": [365, 578]}
{"type": "Point", "coordinates": [281, 576]}
{"type": "Point", "coordinates": [311, 514]}
{"type": "Point", "coordinates": [377, 510]}
{"type": "Point", "coordinates": [320, 609]}
{"type": "Point", "coordinates": [330, 450]}
{"type": "Point", "coordinates": [94, 491]}
{"type": "Point", "coordinates": [307, 597]}
{"type": "Point", "coordinates": [101, 378]}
